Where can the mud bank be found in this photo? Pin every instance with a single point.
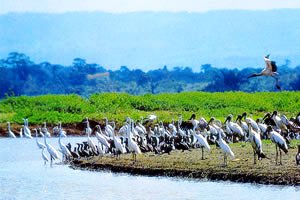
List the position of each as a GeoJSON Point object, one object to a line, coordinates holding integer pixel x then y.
{"type": "Point", "coordinates": [189, 165]}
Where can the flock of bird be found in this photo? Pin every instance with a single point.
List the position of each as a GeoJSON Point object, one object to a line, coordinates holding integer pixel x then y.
{"type": "Point", "coordinates": [151, 135]}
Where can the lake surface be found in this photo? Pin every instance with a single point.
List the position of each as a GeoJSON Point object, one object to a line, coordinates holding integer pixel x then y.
{"type": "Point", "coordinates": [24, 176]}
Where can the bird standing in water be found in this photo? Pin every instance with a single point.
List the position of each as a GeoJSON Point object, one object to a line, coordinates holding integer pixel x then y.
{"type": "Point", "coordinates": [269, 70]}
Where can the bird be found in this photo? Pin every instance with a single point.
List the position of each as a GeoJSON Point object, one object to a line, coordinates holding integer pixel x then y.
{"type": "Point", "coordinates": [256, 143]}
{"type": "Point", "coordinates": [225, 149]}
{"type": "Point", "coordinates": [45, 130]}
{"type": "Point", "coordinates": [45, 158]}
{"type": "Point", "coordinates": [269, 70]}
{"type": "Point", "coordinates": [39, 144]}
{"type": "Point", "coordinates": [102, 139]}
{"type": "Point", "coordinates": [65, 151]}
{"type": "Point", "coordinates": [88, 132]}
{"type": "Point", "coordinates": [51, 150]}
{"type": "Point", "coordinates": [27, 132]}
{"type": "Point", "coordinates": [279, 141]}
{"type": "Point", "coordinates": [234, 127]}
{"type": "Point", "coordinates": [10, 133]}
{"type": "Point", "coordinates": [120, 149]}
{"type": "Point", "coordinates": [202, 141]}
{"type": "Point", "coordinates": [132, 145]}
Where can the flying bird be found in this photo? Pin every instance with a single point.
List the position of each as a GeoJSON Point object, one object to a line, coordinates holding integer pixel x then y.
{"type": "Point", "coordinates": [269, 70]}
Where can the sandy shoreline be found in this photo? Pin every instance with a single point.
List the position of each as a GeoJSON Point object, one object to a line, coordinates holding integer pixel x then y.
{"type": "Point", "coordinates": [239, 170]}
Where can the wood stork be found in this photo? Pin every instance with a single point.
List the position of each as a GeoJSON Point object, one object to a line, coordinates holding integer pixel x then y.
{"type": "Point", "coordinates": [225, 149]}
{"type": "Point", "coordinates": [269, 70]}
{"type": "Point", "coordinates": [262, 127]}
{"type": "Point", "coordinates": [234, 127]}
{"type": "Point", "coordinates": [193, 120]}
{"type": "Point", "coordinates": [279, 141]}
{"type": "Point", "coordinates": [10, 133]}
{"type": "Point", "coordinates": [252, 122]}
{"type": "Point", "coordinates": [242, 124]}
{"type": "Point", "coordinates": [215, 128]}
{"type": "Point", "coordinates": [202, 141]}
{"type": "Point", "coordinates": [51, 150]}
{"type": "Point", "coordinates": [256, 143]}
{"type": "Point", "coordinates": [132, 145]}
{"type": "Point", "coordinates": [39, 144]}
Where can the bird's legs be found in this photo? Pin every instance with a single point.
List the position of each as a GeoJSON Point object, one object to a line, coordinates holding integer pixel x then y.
{"type": "Point", "coordinates": [275, 76]}
{"type": "Point", "coordinates": [280, 162]}
{"type": "Point", "coordinates": [276, 154]}
{"type": "Point", "coordinates": [254, 156]}
{"type": "Point", "coordinates": [202, 153]}
{"type": "Point", "coordinates": [51, 161]}
{"type": "Point", "coordinates": [225, 160]}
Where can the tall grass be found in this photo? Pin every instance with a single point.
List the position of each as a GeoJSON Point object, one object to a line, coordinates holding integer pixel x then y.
{"type": "Point", "coordinates": [73, 108]}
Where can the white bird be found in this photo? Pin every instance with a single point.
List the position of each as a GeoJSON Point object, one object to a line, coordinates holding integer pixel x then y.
{"type": "Point", "coordinates": [151, 118]}
{"type": "Point", "coordinates": [279, 142]}
{"type": "Point", "coordinates": [108, 128]}
{"type": "Point", "coordinates": [88, 131]}
{"type": "Point", "coordinates": [132, 145]}
{"type": "Point", "coordinates": [45, 130]}
{"type": "Point", "coordinates": [51, 150]}
{"type": "Point", "coordinates": [39, 144]}
{"type": "Point", "coordinates": [269, 70]}
{"type": "Point", "coordinates": [119, 146]}
{"type": "Point", "coordinates": [225, 149]}
{"type": "Point", "coordinates": [27, 132]}
{"type": "Point", "coordinates": [256, 144]}
{"type": "Point", "coordinates": [202, 141]}
{"type": "Point", "coordinates": [234, 127]}
{"type": "Point", "coordinates": [64, 150]}
{"type": "Point", "coordinates": [101, 138]}
{"type": "Point", "coordinates": [10, 133]}
{"type": "Point", "coordinates": [45, 158]}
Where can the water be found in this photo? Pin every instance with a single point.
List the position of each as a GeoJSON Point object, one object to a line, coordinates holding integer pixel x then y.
{"type": "Point", "coordinates": [23, 176]}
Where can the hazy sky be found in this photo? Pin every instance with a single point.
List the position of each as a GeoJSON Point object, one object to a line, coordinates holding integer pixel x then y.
{"type": "Point", "coordinates": [140, 5]}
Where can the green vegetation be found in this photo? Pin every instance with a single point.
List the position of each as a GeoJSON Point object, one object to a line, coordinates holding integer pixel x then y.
{"type": "Point", "coordinates": [116, 106]}
{"type": "Point", "coordinates": [189, 164]}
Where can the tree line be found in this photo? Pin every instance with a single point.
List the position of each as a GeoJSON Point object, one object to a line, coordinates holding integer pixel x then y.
{"type": "Point", "coordinates": [21, 76]}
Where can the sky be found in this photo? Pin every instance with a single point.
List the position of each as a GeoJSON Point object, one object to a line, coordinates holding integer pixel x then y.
{"type": "Point", "coordinates": [59, 6]}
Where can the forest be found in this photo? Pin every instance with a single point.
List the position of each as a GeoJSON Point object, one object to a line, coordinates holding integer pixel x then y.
{"type": "Point", "coordinates": [22, 76]}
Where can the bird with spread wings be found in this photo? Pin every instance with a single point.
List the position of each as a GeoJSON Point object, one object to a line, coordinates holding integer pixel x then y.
{"type": "Point", "coordinates": [269, 70]}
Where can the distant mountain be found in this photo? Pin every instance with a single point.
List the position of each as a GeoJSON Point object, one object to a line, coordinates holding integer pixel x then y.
{"type": "Point", "coordinates": [150, 40]}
